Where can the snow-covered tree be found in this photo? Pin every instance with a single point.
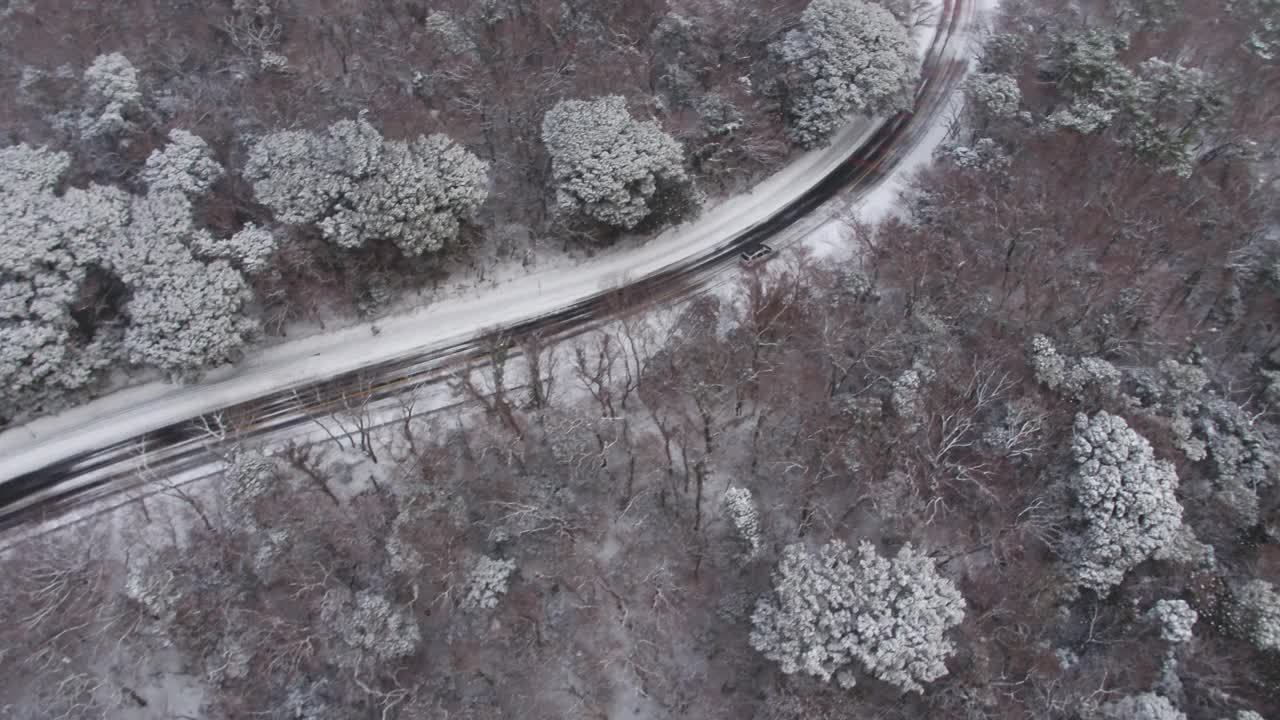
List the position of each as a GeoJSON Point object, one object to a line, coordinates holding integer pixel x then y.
{"type": "Point", "coordinates": [359, 187]}
{"type": "Point", "coordinates": [111, 94]}
{"type": "Point", "coordinates": [1073, 376]}
{"type": "Point", "coordinates": [250, 248]}
{"type": "Point", "coordinates": [847, 57]}
{"type": "Point", "coordinates": [1176, 620]}
{"type": "Point", "coordinates": [248, 475]}
{"type": "Point", "coordinates": [1126, 501]}
{"type": "Point", "coordinates": [186, 165]}
{"type": "Point", "coordinates": [608, 165]}
{"type": "Point", "coordinates": [905, 396]}
{"type": "Point", "coordinates": [369, 624]}
{"type": "Point", "coordinates": [745, 518]}
{"type": "Point", "coordinates": [993, 95]}
{"type": "Point", "coordinates": [1259, 606]}
{"type": "Point", "coordinates": [48, 244]}
{"type": "Point", "coordinates": [1207, 426]}
{"type": "Point", "coordinates": [1262, 17]}
{"type": "Point", "coordinates": [1145, 706]}
{"type": "Point", "coordinates": [184, 314]}
{"type": "Point", "coordinates": [417, 197]}
{"type": "Point", "coordinates": [1156, 112]}
{"type": "Point", "coordinates": [1172, 107]}
{"type": "Point", "coordinates": [301, 175]}
{"type": "Point", "coordinates": [834, 611]}
{"type": "Point", "coordinates": [446, 30]}
{"type": "Point", "coordinates": [487, 583]}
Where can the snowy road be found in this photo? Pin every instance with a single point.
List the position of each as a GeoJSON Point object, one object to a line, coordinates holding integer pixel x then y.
{"type": "Point", "coordinates": [53, 462]}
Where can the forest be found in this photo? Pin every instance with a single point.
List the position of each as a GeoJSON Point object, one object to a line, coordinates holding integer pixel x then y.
{"type": "Point", "coordinates": [188, 182]}
{"type": "Point", "coordinates": [1016, 454]}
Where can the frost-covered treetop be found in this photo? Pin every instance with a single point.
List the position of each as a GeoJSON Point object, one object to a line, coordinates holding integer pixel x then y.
{"type": "Point", "coordinates": [1261, 604]}
{"type": "Point", "coordinates": [745, 518]}
{"type": "Point", "coordinates": [1126, 498]}
{"type": "Point", "coordinates": [417, 198]}
{"type": "Point", "coordinates": [487, 583]}
{"type": "Point", "coordinates": [111, 93]}
{"type": "Point", "coordinates": [1146, 706]}
{"type": "Point", "coordinates": [608, 165]}
{"type": "Point", "coordinates": [833, 611]}
{"type": "Point", "coordinates": [184, 314]}
{"type": "Point", "coordinates": [1073, 376]}
{"type": "Point", "coordinates": [47, 244]}
{"type": "Point", "coordinates": [186, 165]}
{"type": "Point", "coordinates": [1157, 112]}
{"type": "Point", "coordinates": [1176, 620]}
{"type": "Point", "coordinates": [359, 187]}
{"type": "Point", "coordinates": [181, 314]}
{"type": "Point", "coordinates": [300, 174]}
{"type": "Point", "coordinates": [1263, 19]}
{"type": "Point", "coordinates": [846, 57]}
{"type": "Point", "coordinates": [994, 95]}
{"type": "Point", "coordinates": [30, 170]}
{"type": "Point", "coordinates": [369, 624]}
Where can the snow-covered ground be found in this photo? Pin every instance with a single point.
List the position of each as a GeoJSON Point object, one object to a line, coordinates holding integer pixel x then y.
{"type": "Point", "coordinates": [134, 411]}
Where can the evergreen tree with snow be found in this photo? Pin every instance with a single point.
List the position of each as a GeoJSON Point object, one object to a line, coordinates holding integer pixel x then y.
{"type": "Point", "coordinates": [847, 57]}
{"type": "Point", "coordinates": [1126, 501]}
{"type": "Point", "coordinates": [611, 167]}
{"type": "Point", "coordinates": [838, 610]}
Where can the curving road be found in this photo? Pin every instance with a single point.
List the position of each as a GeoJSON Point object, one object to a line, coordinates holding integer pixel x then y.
{"type": "Point", "coordinates": [34, 488]}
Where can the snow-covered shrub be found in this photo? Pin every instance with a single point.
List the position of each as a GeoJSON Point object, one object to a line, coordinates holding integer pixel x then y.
{"type": "Point", "coordinates": [993, 95]}
{"type": "Point", "coordinates": [358, 187]}
{"type": "Point", "coordinates": [745, 518]}
{"type": "Point", "coordinates": [186, 165]}
{"type": "Point", "coordinates": [847, 57]}
{"type": "Point", "coordinates": [487, 583]}
{"type": "Point", "coordinates": [111, 93]}
{"type": "Point", "coordinates": [1146, 706]}
{"type": "Point", "coordinates": [1126, 501]}
{"type": "Point", "coordinates": [1259, 604]}
{"type": "Point", "coordinates": [1176, 619]}
{"type": "Point", "coordinates": [608, 165]}
{"type": "Point", "coordinates": [1246, 715]}
{"type": "Point", "coordinates": [833, 611]}
{"type": "Point", "coordinates": [371, 625]}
